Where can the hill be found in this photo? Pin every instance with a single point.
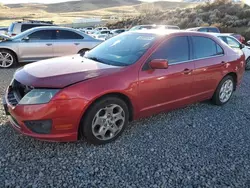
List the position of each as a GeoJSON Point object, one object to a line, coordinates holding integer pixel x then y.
{"type": "Point", "coordinates": [65, 13]}
{"type": "Point", "coordinates": [228, 16]}
{"type": "Point", "coordinates": [76, 6]}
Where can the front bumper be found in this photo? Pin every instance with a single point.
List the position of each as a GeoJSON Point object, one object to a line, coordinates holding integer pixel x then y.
{"type": "Point", "coordinates": [64, 114]}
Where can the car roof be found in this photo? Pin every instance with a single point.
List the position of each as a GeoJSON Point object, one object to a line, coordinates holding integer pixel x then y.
{"type": "Point", "coordinates": [51, 27]}
{"type": "Point", "coordinates": [221, 34]}
{"type": "Point", "coordinates": [168, 32]}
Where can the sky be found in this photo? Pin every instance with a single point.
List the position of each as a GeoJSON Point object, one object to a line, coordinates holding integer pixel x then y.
{"type": "Point", "coordinates": [43, 1]}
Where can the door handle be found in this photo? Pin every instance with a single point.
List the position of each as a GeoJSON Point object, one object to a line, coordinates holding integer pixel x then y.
{"type": "Point", "coordinates": [187, 71]}
{"type": "Point", "coordinates": [223, 62]}
{"type": "Point", "coordinates": [77, 44]}
{"type": "Point", "coordinates": [49, 44]}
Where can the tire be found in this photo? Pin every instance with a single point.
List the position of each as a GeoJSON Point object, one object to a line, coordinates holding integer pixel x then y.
{"type": "Point", "coordinates": [248, 63]}
{"type": "Point", "coordinates": [218, 95]}
{"type": "Point", "coordinates": [83, 51]}
{"type": "Point", "coordinates": [7, 59]}
{"type": "Point", "coordinates": [110, 127]}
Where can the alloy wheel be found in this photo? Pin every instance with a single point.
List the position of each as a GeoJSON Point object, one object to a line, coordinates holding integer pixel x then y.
{"type": "Point", "coordinates": [6, 60]}
{"type": "Point", "coordinates": [226, 91]}
{"type": "Point", "coordinates": [108, 122]}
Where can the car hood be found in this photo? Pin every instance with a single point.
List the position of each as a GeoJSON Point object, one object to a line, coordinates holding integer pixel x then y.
{"type": "Point", "coordinates": [62, 72]}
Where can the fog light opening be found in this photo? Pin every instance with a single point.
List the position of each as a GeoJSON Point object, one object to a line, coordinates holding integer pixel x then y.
{"type": "Point", "coordinates": [39, 126]}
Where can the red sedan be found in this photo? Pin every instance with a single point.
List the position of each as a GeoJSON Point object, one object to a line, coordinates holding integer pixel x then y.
{"type": "Point", "coordinates": [133, 75]}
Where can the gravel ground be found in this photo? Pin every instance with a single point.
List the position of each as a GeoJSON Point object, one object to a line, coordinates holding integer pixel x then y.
{"type": "Point", "coordinates": [198, 146]}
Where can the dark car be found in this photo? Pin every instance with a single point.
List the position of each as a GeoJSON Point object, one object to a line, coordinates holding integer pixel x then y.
{"type": "Point", "coordinates": [205, 29]}
{"type": "Point", "coordinates": [130, 76]}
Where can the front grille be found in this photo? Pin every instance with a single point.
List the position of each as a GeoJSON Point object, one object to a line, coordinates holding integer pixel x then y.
{"type": "Point", "coordinates": [16, 92]}
{"type": "Point", "coordinates": [11, 97]}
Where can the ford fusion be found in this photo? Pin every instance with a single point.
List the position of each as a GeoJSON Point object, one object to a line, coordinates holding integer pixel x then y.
{"type": "Point", "coordinates": [130, 76]}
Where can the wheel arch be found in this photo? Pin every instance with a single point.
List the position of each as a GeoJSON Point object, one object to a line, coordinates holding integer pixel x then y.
{"type": "Point", "coordinates": [235, 78]}
{"type": "Point", "coordinates": [119, 95]}
{"type": "Point", "coordinates": [4, 48]}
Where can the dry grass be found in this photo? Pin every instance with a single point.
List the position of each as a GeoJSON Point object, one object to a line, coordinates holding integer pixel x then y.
{"type": "Point", "coordinates": [38, 11]}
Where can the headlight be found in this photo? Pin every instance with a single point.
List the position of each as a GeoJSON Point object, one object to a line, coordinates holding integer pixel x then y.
{"type": "Point", "coordinates": [38, 96]}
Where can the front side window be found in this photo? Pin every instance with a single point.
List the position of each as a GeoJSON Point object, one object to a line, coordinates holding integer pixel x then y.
{"type": "Point", "coordinates": [173, 50]}
{"type": "Point", "coordinates": [122, 50]}
{"type": "Point", "coordinates": [205, 47]}
{"type": "Point", "coordinates": [41, 35]}
{"type": "Point", "coordinates": [67, 35]}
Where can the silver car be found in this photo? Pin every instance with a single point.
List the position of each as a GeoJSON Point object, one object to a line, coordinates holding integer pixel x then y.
{"type": "Point", "coordinates": [42, 43]}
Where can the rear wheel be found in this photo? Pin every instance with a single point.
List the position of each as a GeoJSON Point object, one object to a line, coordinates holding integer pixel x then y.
{"type": "Point", "coordinates": [7, 59]}
{"type": "Point", "coordinates": [105, 120]}
{"type": "Point", "coordinates": [248, 63]}
{"type": "Point", "coordinates": [224, 91]}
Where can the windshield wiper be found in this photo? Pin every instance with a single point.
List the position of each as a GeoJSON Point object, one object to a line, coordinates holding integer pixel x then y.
{"type": "Point", "coordinates": [97, 59]}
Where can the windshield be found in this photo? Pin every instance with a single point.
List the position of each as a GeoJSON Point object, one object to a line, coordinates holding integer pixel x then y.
{"type": "Point", "coordinates": [122, 50]}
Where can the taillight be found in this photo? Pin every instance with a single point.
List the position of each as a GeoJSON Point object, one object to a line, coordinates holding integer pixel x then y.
{"type": "Point", "coordinates": [13, 35]}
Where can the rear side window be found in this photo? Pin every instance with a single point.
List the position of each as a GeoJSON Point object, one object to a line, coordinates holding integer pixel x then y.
{"type": "Point", "coordinates": [213, 30]}
{"type": "Point", "coordinates": [25, 27]}
{"type": "Point", "coordinates": [203, 30]}
{"type": "Point", "coordinates": [67, 35]}
{"type": "Point", "coordinates": [205, 47]}
{"type": "Point", "coordinates": [42, 35]}
{"type": "Point", "coordinates": [174, 50]}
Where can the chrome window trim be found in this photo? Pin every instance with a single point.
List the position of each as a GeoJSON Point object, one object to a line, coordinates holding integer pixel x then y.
{"type": "Point", "coordinates": [180, 62]}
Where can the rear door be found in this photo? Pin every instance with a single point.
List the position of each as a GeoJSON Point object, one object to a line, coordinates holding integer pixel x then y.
{"type": "Point", "coordinates": [67, 42]}
{"type": "Point", "coordinates": [39, 46]}
{"type": "Point", "coordinates": [209, 60]}
{"type": "Point", "coordinates": [167, 88]}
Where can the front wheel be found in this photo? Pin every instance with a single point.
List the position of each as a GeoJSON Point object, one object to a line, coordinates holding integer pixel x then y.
{"type": "Point", "coordinates": [105, 120]}
{"type": "Point", "coordinates": [248, 63]}
{"type": "Point", "coordinates": [224, 91]}
{"type": "Point", "coordinates": [7, 59]}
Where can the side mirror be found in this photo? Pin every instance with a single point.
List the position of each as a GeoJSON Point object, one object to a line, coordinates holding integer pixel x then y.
{"type": "Point", "coordinates": [248, 42]}
{"type": "Point", "coordinates": [26, 38]}
{"type": "Point", "coordinates": [159, 64]}
{"type": "Point", "coordinates": [242, 46]}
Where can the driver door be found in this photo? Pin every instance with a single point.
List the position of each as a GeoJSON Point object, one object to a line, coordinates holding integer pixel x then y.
{"type": "Point", "coordinates": [165, 89]}
{"type": "Point", "coordinates": [37, 46]}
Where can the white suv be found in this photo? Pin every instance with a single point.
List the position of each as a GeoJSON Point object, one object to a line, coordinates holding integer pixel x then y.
{"type": "Point", "coordinates": [18, 27]}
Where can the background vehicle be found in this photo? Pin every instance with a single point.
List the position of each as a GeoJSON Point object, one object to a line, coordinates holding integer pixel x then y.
{"type": "Point", "coordinates": [129, 76]}
{"type": "Point", "coordinates": [239, 37]}
{"type": "Point", "coordinates": [3, 37]}
{"type": "Point", "coordinates": [205, 29]}
{"type": "Point", "coordinates": [3, 30]}
{"type": "Point", "coordinates": [88, 30]}
{"type": "Point", "coordinates": [140, 27]}
{"type": "Point", "coordinates": [102, 35]}
{"type": "Point", "coordinates": [235, 44]}
{"type": "Point", "coordinates": [117, 31]}
{"type": "Point", "coordinates": [18, 27]}
{"type": "Point", "coordinates": [101, 28]}
{"type": "Point", "coordinates": [44, 42]}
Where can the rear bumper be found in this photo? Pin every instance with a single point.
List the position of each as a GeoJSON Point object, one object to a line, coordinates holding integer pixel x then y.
{"type": "Point", "coordinates": [64, 114]}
